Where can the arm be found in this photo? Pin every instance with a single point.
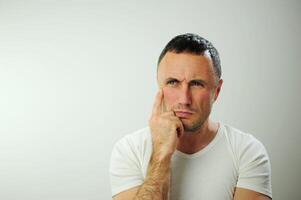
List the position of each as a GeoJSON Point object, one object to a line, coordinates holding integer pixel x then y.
{"type": "Point", "coordinates": [165, 129]}
{"type": "Point", "coordinates": [245, 194]}
{"type": "Point", "coordinates": [155, 186]}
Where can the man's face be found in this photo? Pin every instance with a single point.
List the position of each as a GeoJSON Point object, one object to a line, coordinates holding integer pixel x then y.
{"type": "Point", "coordinates": [190, 87]}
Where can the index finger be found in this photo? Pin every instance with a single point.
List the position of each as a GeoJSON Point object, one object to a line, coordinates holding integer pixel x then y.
{"type": "Point", "coordinates": [157, 108]}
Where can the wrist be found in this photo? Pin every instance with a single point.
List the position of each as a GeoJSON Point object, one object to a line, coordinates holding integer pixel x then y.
{"type": "Point", "coordinates": [162, 156]}
{"type": "Point", "coordinates": [159, 168]}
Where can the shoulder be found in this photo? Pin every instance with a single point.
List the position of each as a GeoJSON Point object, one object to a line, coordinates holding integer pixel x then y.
{"type": "Point", "coordinates": [129, 160]}
{"type": "Point", "coordinates": [246, 149]}
{"type": "Point", "coordinates": [136, 144]}
{"type": "Point", "coordinates": [240, 140]}
{"type": "Point", "coordinates": [252, 161]}
{"type": "Point", "coordinates": [135, 139]}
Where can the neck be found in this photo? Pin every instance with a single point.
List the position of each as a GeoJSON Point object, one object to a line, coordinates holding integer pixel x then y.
{"type": "Point", "coordinates": [193, 142]}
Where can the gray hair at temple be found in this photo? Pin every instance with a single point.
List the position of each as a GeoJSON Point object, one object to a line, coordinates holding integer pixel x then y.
{"type": "Point", "coordinates": [194, 44]}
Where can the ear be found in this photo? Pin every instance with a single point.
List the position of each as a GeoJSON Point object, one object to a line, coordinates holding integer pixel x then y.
{"type": "Point", "coordinates": [218, 89]}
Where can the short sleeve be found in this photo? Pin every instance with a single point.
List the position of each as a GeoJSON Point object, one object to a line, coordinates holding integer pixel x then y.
{"type": "Point", "coordinates": [125, 171]}
{"type": "Point", "coordinates": [254, 167]}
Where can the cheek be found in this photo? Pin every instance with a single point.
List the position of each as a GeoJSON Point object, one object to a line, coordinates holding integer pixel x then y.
{"type": "Point", "coordinates": [170, 96]}
{"type": "Point", "coordinates": [203, 98]}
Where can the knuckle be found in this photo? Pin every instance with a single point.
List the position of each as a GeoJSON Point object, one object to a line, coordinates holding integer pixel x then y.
{"type": "Point", "coordinates": [173, 125]}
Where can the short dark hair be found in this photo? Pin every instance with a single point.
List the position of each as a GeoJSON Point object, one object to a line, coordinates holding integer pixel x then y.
{"type": "Point", "coordinates": [193, 43]}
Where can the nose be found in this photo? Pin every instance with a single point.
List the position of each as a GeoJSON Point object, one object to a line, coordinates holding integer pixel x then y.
{"type": "Point", "coordinates": [184, 95]}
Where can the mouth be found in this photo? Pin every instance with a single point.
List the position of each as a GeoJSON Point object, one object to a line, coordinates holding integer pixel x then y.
{"type": "Point", "coordinates": [184, 114]}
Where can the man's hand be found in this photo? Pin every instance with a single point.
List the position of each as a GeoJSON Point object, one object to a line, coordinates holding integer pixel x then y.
{"type": "Point", "coordinates": [166, 128]}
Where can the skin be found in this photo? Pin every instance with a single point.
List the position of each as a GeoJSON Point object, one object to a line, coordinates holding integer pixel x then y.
{"type": "Point", "coordinates": [190, 91]}
{"type": "Point", "coordinates": [180, 120]}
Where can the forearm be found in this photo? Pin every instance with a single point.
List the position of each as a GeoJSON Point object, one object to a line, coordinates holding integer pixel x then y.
{"type": "Point", "coordinates": [156, 184]}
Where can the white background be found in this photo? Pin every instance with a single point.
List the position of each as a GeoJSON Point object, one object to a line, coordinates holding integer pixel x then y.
{"type": "Point", "coordinates": [76, 76]}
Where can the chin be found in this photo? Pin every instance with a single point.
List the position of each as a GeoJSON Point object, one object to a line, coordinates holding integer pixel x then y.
{"type": "Point", "coordinates": [192, 127]}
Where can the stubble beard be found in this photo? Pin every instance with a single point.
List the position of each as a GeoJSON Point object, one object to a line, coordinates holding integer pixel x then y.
{"type": "Point", "coordinates": [192, 127]}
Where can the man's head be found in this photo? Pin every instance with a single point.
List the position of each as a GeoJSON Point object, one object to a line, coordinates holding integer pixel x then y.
{"type": "Point", "coordinates": [189, 74]}
{"type": "Point", "coordinates": [194, 44]}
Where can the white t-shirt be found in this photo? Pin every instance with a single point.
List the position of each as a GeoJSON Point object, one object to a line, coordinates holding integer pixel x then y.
{"type": "Point", "coordinates": [232, 159]}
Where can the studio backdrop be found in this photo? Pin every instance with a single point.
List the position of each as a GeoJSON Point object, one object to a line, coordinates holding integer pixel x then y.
{"type": "Point", "coordinates": [76, 76]}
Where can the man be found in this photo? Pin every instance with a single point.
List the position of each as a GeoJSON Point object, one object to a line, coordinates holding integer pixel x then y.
{"type": "Point", "coordinates": [183, 154]}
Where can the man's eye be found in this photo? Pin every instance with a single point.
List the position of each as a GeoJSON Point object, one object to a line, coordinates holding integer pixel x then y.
{"type": "Point", "coordinates": [196, 83]}
{"type": "Point", "coordinates": [172, 82]}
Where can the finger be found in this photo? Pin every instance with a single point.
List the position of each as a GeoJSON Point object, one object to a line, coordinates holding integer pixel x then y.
{"type": "Point", "coordinates": [180, 128]}
{"type": "Point", "coordinates": [168, 113]}
{"type": "Point", "coordinates": [157, 108]}
{"type": "Point", "coordinates": [178, 125]}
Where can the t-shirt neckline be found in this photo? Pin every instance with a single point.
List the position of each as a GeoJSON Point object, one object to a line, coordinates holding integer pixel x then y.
{"type": "Point", "coordinates": [206, 148]}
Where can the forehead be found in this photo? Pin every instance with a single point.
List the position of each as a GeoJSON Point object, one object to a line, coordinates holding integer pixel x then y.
{"type": "Point", "coordinates": [185, 65]}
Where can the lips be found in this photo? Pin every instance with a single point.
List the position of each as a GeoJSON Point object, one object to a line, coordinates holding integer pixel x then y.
{"type": "Point", "coordinates": [183, 114]}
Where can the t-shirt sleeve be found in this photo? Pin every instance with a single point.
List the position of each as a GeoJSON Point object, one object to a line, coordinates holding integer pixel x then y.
{"type": "Point", "coordinates": [254, 167]}
{"type": "Point", "coordinates": [125, 170]}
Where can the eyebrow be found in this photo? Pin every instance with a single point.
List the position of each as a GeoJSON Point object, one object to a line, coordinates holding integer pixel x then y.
{"type": "Point", "coordinates": [192, 80]}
